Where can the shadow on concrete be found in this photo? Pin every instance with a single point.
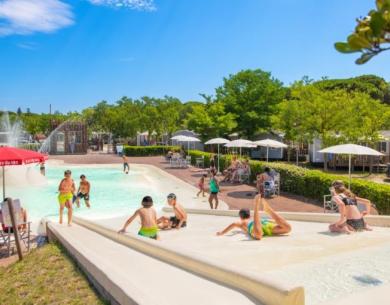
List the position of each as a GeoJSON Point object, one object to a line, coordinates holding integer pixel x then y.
{"type": "Point", "coordinates": [242, 194]}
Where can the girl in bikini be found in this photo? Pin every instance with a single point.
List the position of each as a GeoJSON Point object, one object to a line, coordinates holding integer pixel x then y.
{"type": "Point", "coordinates": [351, 219]}
{"type": "Point", "coordinates": [258, 228]}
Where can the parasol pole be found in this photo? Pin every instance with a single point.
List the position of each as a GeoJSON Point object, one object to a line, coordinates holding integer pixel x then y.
{"type": "Point", "coordinates": [14, 227]}
{"type": "Point", "coordinates": [218, 158]}
{"type": "Point", "coordinates": [349, 165]}
{"type": "Point", "coordinates": [267, 153]}
{"type": "Point", "coordinates": [3, 183]}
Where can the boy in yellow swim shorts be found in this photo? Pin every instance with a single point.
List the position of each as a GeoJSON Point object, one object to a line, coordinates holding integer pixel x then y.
{"type": "Point", "coordinates": [258, 228]}
{"type": "Point", "coordinates": [148, 217]}
{"type": "Point", "coordinates": [66, 191]}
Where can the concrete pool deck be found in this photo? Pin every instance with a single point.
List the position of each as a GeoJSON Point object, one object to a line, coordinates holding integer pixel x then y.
{"type": "Point", "coordinates": [307, 241]}
{"type": "Point", "coordinates": [130, 277]}
{"type": "Point", "coordinates": [309, 253]}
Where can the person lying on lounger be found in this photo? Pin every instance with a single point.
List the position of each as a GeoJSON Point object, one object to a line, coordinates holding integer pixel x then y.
{"type": "Point", "coordinates": [148, 219]}
{"type": "Point", "coordinates": [258, 228]}
{"type": "Point", "coordinates": [179, 220]}
{"type": "Point", "coordinates": [351, 219]}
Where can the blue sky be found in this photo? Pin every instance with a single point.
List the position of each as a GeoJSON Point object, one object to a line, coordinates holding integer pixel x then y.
{"type": "Point", "coordinates": [73, 54]}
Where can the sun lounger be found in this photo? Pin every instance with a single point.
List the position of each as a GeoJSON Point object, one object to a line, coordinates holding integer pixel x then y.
{"type": "Point", "coordinates": [7, 237]}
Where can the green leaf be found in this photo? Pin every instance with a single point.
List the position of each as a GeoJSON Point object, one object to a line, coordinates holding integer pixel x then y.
{"type": "Point", "coordinates": [364, 58]}
{"type": "Point", "coordinates": [377, 24]}
{"type": "Point", "coordinates": [383, 4]}
{"type": "Point", "coordinates": [344, 47]}
{"type": "Point", "coordinates": [358, 42]}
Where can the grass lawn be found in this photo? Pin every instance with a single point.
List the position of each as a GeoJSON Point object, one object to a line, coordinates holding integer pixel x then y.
{"type": "Point", "coordinates": [46, 276]}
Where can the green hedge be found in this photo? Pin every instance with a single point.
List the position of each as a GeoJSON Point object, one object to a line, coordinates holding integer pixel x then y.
{"type": "Point", "coordinates": [311, 183]}
{"type": "Point", "coordinates": [148, 150]}
{"type": "Point", "coordinates": [31, 146]}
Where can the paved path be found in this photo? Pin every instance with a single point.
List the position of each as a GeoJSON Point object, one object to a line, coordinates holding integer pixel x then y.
{"type": "Point", "coordinates": [237, 196]}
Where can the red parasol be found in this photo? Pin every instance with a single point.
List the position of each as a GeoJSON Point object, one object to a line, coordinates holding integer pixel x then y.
{"type": "Point", "coordinates": [17, 156]}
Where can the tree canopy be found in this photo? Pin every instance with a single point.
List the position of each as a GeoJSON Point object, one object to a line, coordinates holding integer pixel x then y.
{"type": "Point", "coordinates": [375, 86]}
{"type": "Point", "coordinates": [252, 95]}
{"type": "Point", "coordinates": [249, 102]}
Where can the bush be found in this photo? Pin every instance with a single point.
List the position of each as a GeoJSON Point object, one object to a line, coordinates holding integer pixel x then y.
{"type": "Point", "coordinates": [148, 150]}
{"type": "Point", "coordinates": [31, 146]}
{"type": "Point", "coordinates": [310, 183]}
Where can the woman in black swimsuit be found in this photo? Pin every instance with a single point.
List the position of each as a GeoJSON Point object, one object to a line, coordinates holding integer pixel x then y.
{"type": "Point", "coordinates": [351, 219]}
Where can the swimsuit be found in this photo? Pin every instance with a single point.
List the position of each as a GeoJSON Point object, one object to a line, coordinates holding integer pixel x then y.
{"type": "Point", "coordinates": [266, 225]}
{"type": "Point", "coordinates": [175, 221]}
{"type": "Point", "coordinates": [65, 197]}
{"type": "Point", "coordinates": [82, 195]}
{"type": "Point", "coordinates": [348, 201]}
{"type": "Point", "coordinates": [213, 187]}
{"type": "Point", "coordinates": [148, 232]}
{"type": "Point", "coordinates": [356, 224]}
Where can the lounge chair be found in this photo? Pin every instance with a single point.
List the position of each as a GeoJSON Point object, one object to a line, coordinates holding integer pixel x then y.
{"type": "Point", "coordinates": [188, 161]}
{"type": "Point", "coordinates": [330, 206]}
{"type": "Point", "coordinates": [7, 237]}
{"type": "Point", "coordinates": [244, 177]}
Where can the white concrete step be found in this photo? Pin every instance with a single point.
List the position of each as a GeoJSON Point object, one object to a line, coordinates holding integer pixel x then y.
{"type": "Point", "coordinates": [134, 278]}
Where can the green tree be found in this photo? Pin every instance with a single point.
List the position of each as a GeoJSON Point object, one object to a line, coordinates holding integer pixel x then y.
{"type": "Point", "coordinates": [319, 113]}
{"type": "Point", "coordinates": [375, 86]}
{"type": "Point", "coordinates": [367, 117]}
{"type": "Point", "coordinates": [168, 109]}
{"type": "Point", "coordinates": [371, 35]}
{"type": "Point", "coordinates": [251, 96]}
{"type": "Point", "coordinates": [290, 120]}
{"type": "Point", "coordinates": [210, 120]}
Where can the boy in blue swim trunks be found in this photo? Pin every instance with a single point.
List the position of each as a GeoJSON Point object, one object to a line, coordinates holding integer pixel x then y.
{"type": "Point", "coordinates": [259, 228]}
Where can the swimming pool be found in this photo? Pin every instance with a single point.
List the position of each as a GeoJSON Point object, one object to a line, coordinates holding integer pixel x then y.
{"type": "Point", "coordinates": [113, 193]}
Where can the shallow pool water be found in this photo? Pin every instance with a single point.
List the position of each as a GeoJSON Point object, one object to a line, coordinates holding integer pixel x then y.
{"type": "Point", "coordinates": [113, 193]}
{"type": "Point", "coordinates": [332, 278]}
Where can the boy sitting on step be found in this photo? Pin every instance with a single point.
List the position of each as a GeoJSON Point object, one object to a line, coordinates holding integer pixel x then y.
{"type": "Point", "coordinates": [148, 217]}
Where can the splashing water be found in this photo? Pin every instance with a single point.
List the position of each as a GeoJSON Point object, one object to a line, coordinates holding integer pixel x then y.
{"type": "Point", "coordinates": [10, 133]}
{"type": "Point", "coordinates": [23, 175]}
{"type": "Point", "coordinates": [46, 146]}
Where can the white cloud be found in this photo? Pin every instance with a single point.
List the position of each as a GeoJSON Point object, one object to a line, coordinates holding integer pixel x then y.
{"type": "Point", "coordinates": [142, 5]}
{"type": "Point", "coordinates": [31, 16]}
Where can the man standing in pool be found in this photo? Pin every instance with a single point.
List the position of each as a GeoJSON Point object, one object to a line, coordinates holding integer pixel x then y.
{"type": "Point", "coordinates": [83, 191]}
{"type": "Point", "coordinates": [126, 167]}
{"type": "Point", "coordinates": [66, 190]}
{"type": "Point", "coordinates": [258, 228]}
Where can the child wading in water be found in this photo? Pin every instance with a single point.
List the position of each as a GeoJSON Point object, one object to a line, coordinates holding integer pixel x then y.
{"type": "Point", "coordinates": [66, 190]}
{"type": "Point", "coordinates": [258, 228]}
{"type": "Point", "coordinates": [83, 191]}
{"type": "Point", "coordinates": [214, 190]}
{"type": "Point", "coordinates": [126, 167]}
{"type": "Point", "coordinates": [201, 185]}
{"type": "Point", "coordinates": [148, 219]}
